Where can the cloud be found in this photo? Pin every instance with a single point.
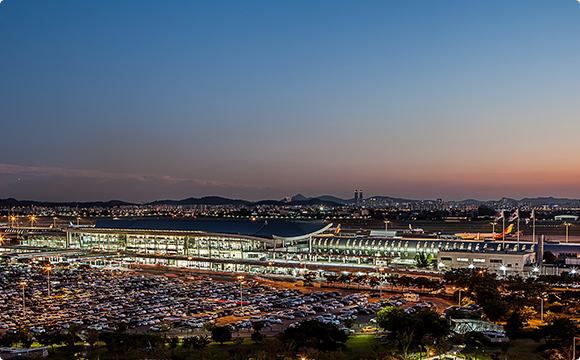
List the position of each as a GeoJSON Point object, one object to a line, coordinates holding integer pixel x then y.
{"type": "Point", "coordinates": [97, 175]}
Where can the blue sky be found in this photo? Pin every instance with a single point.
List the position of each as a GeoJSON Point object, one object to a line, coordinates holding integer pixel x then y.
{"type": "Point", "coordinates": [144, 100]}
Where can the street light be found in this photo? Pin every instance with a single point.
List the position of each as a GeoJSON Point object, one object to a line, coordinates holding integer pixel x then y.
{"type": "Point", "coordinates": [573, 355]}
{"type": "Point", "coordinates": [493, 224]}
{"type": "Point", "coordinates": [32, 220]}
{"type": "Point", "coordinates": [567, 224]}
{"type": "Point", "coordinates": [23, 284]}
{"type": "Point", "coordinates": [241, 279]}
{"type": "Point", "coordinates": [541, 308]}
{"type": "Point", "coordinates": [78, 218]}
{"type": "Point", "coordinates": [381, 269]}
{"type": "Point", "coordinates": [503, 268]}
{"type": "Point", "coordinates": [54, 222]}
{"type": "Point", "coordinates": [48, 269]}
{"type": "Point", "coordinates": [459, 289]}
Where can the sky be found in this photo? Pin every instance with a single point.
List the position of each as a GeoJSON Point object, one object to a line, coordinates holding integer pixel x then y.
{"type": "Point", "coordinates": [146, 100]}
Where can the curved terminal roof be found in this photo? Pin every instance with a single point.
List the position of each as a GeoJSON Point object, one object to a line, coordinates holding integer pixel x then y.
{"type": "Point", "coordinates": [264, 228]}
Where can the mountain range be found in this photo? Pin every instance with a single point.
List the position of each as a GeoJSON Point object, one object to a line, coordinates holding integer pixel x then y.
{"type": "Point", "coordinates": [296, 200]}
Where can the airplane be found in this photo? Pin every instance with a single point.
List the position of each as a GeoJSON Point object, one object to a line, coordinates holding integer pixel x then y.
{"type": "Point", "coordinates": [495, 236]}
{"type": "Point", "coordinates": [416, 230]}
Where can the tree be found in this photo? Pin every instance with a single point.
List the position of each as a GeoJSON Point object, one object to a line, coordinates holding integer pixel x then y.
{"type": "Point", "coordinates": [514, 324]}
{"type": "Point", "coordinates": [309, 277]}
{"type": "Point", "coordinates": [92, 337]}
{"type": "Point", "coordinates": [24, 337]}
{"type": "Point", "coordinates": [421, 282]}
{"type": "Point", "coordinates": [404, 281]}
{"type": "Point", "coordinates": [199, 342]}
{"type": "Point", "coordinates": [71, 335]}
{"type": "Point", "coordinates": [559, 333]}
{"type": "Point", "coordinates": [423, 260]}
{"type": "Point", "coordinates": [256, 335]}
{"type": "Point", "coordinates": [221, 334]}
{"type": "Point", "coordinates": [487, 295]}
{"type": "Point", "coordinates": [315, 334]}
{"type": "Point", "coordinates": [527, 313]}
{"type": "Point", "coordinates": [373, 281]}
{"type": "Point", "coordinates": [173, 343]}
{"type": "Point", "coordinates": [111, 341]}
{"type": "Point", "coordinates": [388, 316]}
{"type": "Point", "coordinates": [122, 327]}
{"type": "Point", "coordinates": [420, 324]}
{"type": "Point", "coordinates": [258, 326]}
{"type": "Point", "coordinates": [50, 338]}
{"type": "Point", "coordinates": [331, 278]}
{"type": "Point", "coordinates": [187, 343]}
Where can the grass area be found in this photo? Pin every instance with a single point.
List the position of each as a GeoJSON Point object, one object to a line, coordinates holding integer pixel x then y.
{"type": "Point", "coordinates": [357, 347]}
{"type": "Point", "coordinates": [362, 346]}
{"type": "Point", "coordinates": [518, 349]}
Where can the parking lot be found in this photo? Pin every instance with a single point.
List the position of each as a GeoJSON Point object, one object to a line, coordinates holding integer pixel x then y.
{"type": "Point", "coordinates": [102, 299]}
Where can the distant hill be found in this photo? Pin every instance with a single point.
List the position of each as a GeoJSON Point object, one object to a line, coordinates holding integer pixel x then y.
{"type": "Point", "coordinates": [297, 200]}
{"type": "Point", "coordinates": [550, 201]}
{"type": "Point", "coordinates": [299, 197]}
{"type": "Point", "coordinates": [206, 200]}
{"type": "Point", "coordinates": [335, 199]}
{"type": "Point", "coordinates": [11, 202]}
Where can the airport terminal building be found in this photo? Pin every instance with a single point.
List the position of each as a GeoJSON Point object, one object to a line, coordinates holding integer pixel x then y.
{"type": "Point", "coordinates": [232, 240]}
{"type": "Point", "coordinates": [204, 238]}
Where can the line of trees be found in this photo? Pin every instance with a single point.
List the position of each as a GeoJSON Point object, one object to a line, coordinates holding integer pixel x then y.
{"type": "Point", "coordinates": [404, 282]}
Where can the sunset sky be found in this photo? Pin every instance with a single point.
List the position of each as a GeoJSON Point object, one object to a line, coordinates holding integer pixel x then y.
{"type": "Point", "coordinates": [143, 100]}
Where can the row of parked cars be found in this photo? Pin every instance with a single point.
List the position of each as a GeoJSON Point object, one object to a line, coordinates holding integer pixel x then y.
{"type": "Point", "coordinates": [101, 299]}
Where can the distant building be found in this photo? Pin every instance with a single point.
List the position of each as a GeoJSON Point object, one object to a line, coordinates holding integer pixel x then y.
{"type": "Point", "coordinates": [358, 197]}
{"type": "Point", "coordinates": [566, 217]}
{"type": "Point", "coordinates": [499, 262]}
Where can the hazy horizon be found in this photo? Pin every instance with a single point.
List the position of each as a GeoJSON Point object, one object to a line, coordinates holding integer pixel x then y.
{"type": "Point", "coordinates": [281, 199]}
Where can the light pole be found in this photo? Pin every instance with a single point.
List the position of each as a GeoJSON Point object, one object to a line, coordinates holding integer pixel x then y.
{"type": "Point", "coordinates": [493, 224]}
{"type": "Point", "coordinates": [78, 218]}
{"type": "Point", "coordinates": [541, 308]}
{"type": "Point", "coordinates": [459, 289]}
{"type": "Point", "coordinates": [32, 220]}
{"type": "Point", "coordinates": [420, 352]}
{"type": "Point", "coordinates": [54, 222]}
{"type": "Point", "coordinates": [567, 224]}
{"type": "Point", "coordinates": [381, 269]}
{"type": "Point", "coordinates": [48, 270]}
{"type": "Point", "coordinates": [573, 355]}
{"type": "Point", "coordinates": [241, 279]}
{"type": "Point", "coordinates": [23, 284]}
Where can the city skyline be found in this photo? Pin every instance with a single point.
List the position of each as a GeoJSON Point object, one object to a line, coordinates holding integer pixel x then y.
{"type": "Point", "coordinates": [141, 101]}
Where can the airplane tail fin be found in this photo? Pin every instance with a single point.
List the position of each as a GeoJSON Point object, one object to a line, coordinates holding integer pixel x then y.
{"type": "Point", "coordinates": [509, 229]}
